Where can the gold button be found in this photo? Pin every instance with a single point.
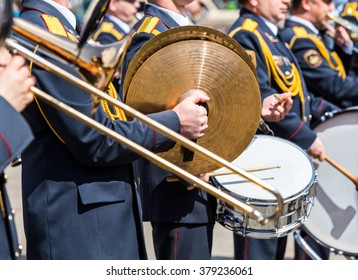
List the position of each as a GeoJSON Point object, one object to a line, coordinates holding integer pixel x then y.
{"type": "Point", "coordinates": [287, 73]}
{"type": "Point", "coordinates": [305, 119]}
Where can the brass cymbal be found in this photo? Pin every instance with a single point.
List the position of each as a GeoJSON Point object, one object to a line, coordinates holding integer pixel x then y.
{"type": "Point", "coordinates": [169, 65]}
{"type": "Point", "coordinates": [178, 34]}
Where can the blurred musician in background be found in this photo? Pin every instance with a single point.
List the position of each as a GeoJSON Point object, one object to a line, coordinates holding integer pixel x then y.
{"type": "Point", "coordinates": [322, 68]}
{"type": "Point", "coordinates": [350, 14]}
{"type": "Point", "coordinates": [117, 21]}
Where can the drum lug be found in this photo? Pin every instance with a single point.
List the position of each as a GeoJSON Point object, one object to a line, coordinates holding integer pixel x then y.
{"type": "Point", "coordinates": [228, 221]}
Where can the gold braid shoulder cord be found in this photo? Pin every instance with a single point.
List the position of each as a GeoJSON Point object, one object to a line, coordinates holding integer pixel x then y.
{"type": "Point", "coordinates": [291, 83]}
{"type": "Point", "coordinates": [56, 27]}
{"type": "Point", "coordinates": [300, 32]}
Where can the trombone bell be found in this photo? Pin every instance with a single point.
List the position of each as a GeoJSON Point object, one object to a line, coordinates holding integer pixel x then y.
{"type": "Point", "coordinates": [97, 64]}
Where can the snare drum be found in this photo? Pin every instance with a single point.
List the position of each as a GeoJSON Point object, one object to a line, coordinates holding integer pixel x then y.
{"type": "Point", "coordinates": [334, 219]}
{"type": "Point", "coordinates": [289, 169]}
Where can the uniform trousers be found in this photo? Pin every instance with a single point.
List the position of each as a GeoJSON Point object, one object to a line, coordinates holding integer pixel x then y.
{"type": "Point", "coordinates": [246, 248]}
{"type": "Point", "coordinates": [177, 241]}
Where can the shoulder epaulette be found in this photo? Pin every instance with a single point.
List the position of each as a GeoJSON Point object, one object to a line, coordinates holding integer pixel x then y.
{"type": "Point", "coordinates": [300, 32]}
{"type": "Point", "coordinates": [108, 27]}
{"type": "Point", "coordinates": [249, 25]}
{"type": "Point", "coordinates": [54, 25]}
{"type": "Point", "coordinates": [350, 10]}
{"type": "Point", "coordinates": [148, 26]}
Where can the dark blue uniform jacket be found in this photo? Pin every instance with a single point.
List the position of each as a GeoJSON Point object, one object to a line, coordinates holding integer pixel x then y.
{"type": "Point", "coordinates": [108, 31]}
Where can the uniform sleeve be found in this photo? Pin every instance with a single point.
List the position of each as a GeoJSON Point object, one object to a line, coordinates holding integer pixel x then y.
{"type": "Point", "coordinates": [320, 77]}
{"type": "Point", "coordinates": [106, 38]}
{"type": "Point", "coordinates": [320, 106]}
{"type": "Point", "coordinates": [88, 146]}
{"type": "Point", "coordinates": [15, 134]}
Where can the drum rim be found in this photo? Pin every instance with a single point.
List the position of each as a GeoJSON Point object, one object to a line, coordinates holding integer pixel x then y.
{"type": "Point", "coordinates": [333, 114]}
{"type": "Point", "coordinates": [306, 189]}
{"type": "Point", "coordinates": [331, 248]}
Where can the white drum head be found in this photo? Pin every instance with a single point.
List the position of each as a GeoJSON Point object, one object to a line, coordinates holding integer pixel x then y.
{"type": "Point", "coordinates": [334, 219]}
{"type": "Point", "coordinates": [292, 169]}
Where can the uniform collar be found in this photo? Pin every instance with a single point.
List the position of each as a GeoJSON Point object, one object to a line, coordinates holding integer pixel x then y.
{"type": "Point", "coordinates": [124, 26]}
{"type": "Point", "coordinates": [64, 11]}
{"type": "Point", "coordinates": [305, 23]}
{"type": "Point", "coordinates": [270, 25]}
{"type": "Point", "coordinates": [182, 20]}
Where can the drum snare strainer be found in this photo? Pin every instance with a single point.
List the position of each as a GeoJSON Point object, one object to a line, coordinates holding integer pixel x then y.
{"type": "Point", "coordinates": [287, 168]}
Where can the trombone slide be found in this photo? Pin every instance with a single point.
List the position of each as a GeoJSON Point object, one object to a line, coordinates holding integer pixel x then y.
{"type": "Point", "coordinates": [345, 23]}
{"type": "Point", "coordinates": [25, 31]}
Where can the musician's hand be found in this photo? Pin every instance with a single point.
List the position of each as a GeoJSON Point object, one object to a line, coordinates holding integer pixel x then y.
{"type": "Point", "coordinates": [276, 106]}
{"type": "Point", "coordinates": [317, 150]}
{"type": "Point", "coordinates": [193, 117]}
{"type": "Point", "coordinates": [15, 81]}
{"type": "Point", "coordinates": [330, 30]}
{"type": "Point", "coordinates": [204, 177]}
{"type": "Point", "coordinates": [117, 75]}
{"type": "Point", "coordinates": [342, 37]}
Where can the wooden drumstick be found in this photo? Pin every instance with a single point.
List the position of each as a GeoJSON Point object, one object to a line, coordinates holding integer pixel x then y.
{"type": "Point", "coordinates": [346, 173]}
{"type": "Point", "coordinates": [228, 172]}
{"type": "Point", "coordinates": [279, 99]}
